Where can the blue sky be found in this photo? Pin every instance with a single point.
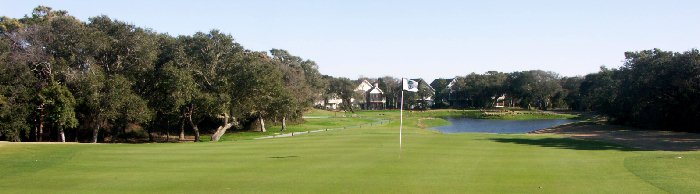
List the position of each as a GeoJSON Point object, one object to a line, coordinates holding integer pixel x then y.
{"type": "Point", "coordinates": [428, 39]}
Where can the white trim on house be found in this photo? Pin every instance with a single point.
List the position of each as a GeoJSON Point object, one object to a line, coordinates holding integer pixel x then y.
{"type": "Point", "coordinates": [364, 86]}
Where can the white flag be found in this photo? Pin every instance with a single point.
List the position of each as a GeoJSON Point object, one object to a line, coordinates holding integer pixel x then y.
{"type": "Point", "coordinates": [410, 85]}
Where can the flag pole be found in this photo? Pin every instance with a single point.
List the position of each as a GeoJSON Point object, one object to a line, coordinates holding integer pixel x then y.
{"type": "Point", "coordinates": [401, 116]}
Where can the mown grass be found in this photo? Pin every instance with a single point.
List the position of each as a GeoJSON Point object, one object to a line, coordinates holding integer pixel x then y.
{"type": "Point", "coordinates": [674, 172]}
{"type": "Point", "coordinates": [355, 160]}
{"type": "Point", "coordinates": [325, 120]}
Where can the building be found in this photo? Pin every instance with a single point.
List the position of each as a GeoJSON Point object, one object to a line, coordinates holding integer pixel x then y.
{"type": "Point", "coordinates": [331, 103]}
{"type": "Point", "coordinates": [456, 97]}
{"type": "Point", "coordinates": [426, 95]}
{"type": "Point", "coordinates": [368, 96]}
{"type": "Point", "coordinates": [499, 102]}
{"type": "Point", "coordinates": [374, 98]}
{"type": "Point", "coordinates": [442, 92]}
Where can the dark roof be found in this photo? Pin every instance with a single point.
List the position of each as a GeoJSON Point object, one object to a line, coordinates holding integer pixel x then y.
{"type": "Point", "coordinates": [448, 80]}
{"type": "Point", "coordinates": [422, 81]}
{"type": "Point", "coordinates": [441, 82]}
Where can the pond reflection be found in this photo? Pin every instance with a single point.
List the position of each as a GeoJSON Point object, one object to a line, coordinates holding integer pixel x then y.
{"type": "Point", "coordinates": [468, 125]}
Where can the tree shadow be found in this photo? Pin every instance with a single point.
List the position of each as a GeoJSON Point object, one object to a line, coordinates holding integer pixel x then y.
{"type": "Point", "coordinates": [565, 143]}
{"type": "Point", "coordinates": [282, 157]}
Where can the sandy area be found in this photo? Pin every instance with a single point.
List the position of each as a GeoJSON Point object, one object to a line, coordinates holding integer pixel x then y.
{"type": "Point", "coordinates": [628, 136]}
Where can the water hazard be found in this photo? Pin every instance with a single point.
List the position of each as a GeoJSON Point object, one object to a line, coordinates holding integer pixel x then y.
{"type": "Point", "coordinates": [468, 125]}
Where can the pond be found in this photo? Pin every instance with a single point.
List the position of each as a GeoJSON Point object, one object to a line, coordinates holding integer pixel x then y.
{"type": "Point", "coordinates": [469, 125]}
{"type": "Point", "coordinates": [315, 117]}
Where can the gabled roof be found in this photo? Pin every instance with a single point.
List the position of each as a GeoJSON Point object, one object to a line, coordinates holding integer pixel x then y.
{"type": "Point", "coordinates": [452, 82]}
{"type": "Point", "coordinates": [421, 81]}
{"type": "Point", "coordinates": [364, 85]}
{"type": "Point", "coordinates": [375, 88]}
{"type": "Point", "coordinates": [439, 81]}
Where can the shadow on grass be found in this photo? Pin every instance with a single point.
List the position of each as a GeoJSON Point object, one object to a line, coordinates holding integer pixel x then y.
{"type": "Point", "coordinates": [565, 143]}
{"type": "Point", "coordinates": [282, 157]}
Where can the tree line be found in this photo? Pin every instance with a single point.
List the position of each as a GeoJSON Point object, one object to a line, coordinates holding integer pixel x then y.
{"type": "Point", "coordinates": [64, 79]}
{"type": "Point", "coordinates": [653, 89]}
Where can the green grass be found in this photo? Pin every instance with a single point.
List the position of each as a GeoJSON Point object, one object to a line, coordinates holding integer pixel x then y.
{"type": "Point", "coordinates": [356, 160]}
{"type": "Point", "coordinates": [327, 120]}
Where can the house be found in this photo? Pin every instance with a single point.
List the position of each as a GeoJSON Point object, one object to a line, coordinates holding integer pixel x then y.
{"type": "Point", "coordinates": [364, 86]}
{"type": "Point", "coordinates": [456, 97]}
{"type": "Point", "coordinates": [374, 98]}
{"type": "Point", "coordinates": [499, 102]}
{"type": "Point", "coordinates": [331, 103]}
{"type": "Point", "coordinates": [442, 92]}
{"type": "Point", "coordinates": [426, 94]}
{"type": "Point", "coordinates": [368, 97]}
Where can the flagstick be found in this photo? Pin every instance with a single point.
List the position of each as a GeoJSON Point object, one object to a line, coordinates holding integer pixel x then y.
{"type": "Point", "coordinates": [401, 122]}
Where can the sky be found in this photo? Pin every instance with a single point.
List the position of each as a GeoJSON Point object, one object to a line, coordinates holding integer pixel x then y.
{"type": "Point", "coordinates": [419, 39]}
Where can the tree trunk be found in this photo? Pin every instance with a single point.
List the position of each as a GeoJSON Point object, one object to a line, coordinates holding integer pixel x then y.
{"type": "Point", "coordinates": [94, 134]}
{"type": "Point", "coordinates": [41, 124]}
{"type": "Point", "coordinates": [124, 136]}
{"type": "Point", "coordinates": [167, 131]}
{"type": "Point", "coordinates": [150, 136]}
{"type": "Point", "coordinates": [220, 132]}
{"type": "Point", "coordinates": [61, 134]}
{"type": "Point", "coordinates": [182, 129]}
{"type": "Point", "coordinates": [222, 129]}
{"type": "Point", "coordinates": [262, 124]}
{"type": "Point", "coordinates": [36, 132]}
{"type": "Point", "coordinates": [284, 123]}
{"type": "Point", "coordinates": [194, 127]}
{"type": "Point", "coordinates": [149, 130]}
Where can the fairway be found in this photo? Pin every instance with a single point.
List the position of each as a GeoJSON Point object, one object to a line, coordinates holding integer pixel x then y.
{"type": "Point", "coordinates": [355, 160]}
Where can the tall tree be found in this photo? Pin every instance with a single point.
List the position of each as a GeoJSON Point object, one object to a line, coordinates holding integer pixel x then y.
{"type": "Point", "coordinates": [661, 89]}
{"type": "Point", "coordinates": [442, 92]}
{"type": "Point", "coordinates": [343, 88]}
{"type": "Point", "coordinates": [16, 91]}
{"type": "Point", "coordinates": [599, 90]}
{"type": "Point", "coordinates": [211, 59]}
{"type": "Point", "coordinates": [60, 107]}
{"type": "Point", "coordinates": [110, 76]}
{"type": "Point", "coordinates": [572, 88]}
{"type": "Point", "coordinates": [392, 90]}
{"type": "Point", "coordinates": [535, 86]}
{"type": "Point", "coordinates": [122, 106]}
{"type": "Point", "coordinates": [302, 82]}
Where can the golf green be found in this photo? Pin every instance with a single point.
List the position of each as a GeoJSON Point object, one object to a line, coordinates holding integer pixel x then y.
{"type": "Point", "coordinates": [355, 160]}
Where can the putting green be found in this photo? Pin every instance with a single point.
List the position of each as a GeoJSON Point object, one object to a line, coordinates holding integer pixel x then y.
{"type": "Point", "coordinates": [357, 160]}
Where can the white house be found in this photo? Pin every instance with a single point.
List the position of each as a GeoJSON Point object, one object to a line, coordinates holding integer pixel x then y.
{"type": "Point", "coordinates": [499, 102]}
{"type": "Point", "coordinates": [373, 98]}
{"type": "Point", "coordinates": [330, 103]}
{"type": "Point", "coordinates": [364, 86]}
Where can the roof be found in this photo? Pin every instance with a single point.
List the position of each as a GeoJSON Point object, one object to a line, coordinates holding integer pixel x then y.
{"type": "Point", "coordinates": [364, 85]}
{"type": "Point", "coordinates": [421, 81]}
{"type": "Point", "coordinates": [375, 89]}
{"type": "Point", "coordinates": [441, 83]}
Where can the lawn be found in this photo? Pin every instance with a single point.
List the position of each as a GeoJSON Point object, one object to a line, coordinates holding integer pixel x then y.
{"type": "Point", "coordinates": [354, 160]}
